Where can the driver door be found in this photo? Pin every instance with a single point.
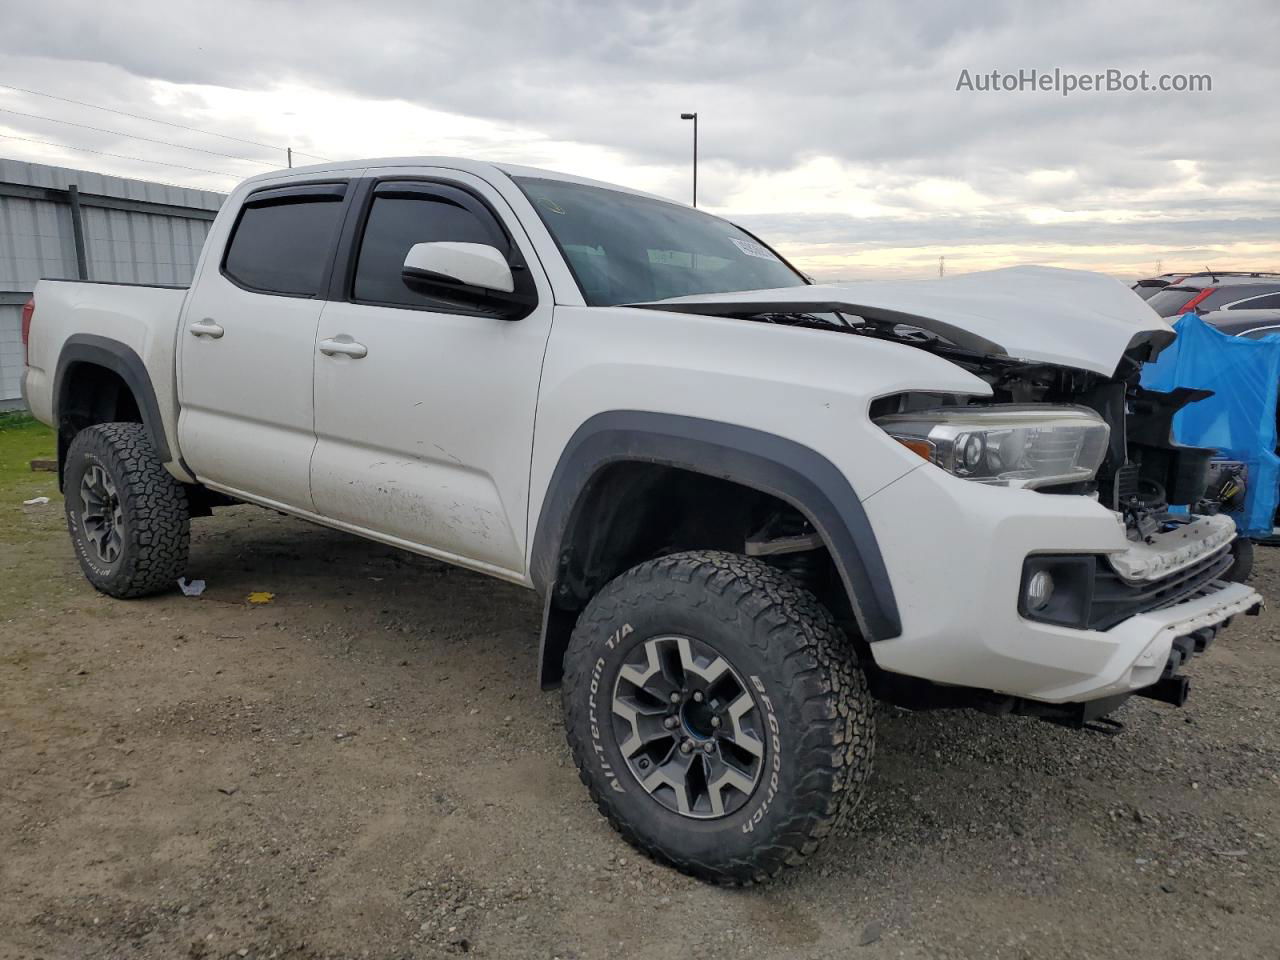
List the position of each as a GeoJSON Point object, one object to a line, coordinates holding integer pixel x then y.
{"type": "Point", "coordinates": [424, 416]}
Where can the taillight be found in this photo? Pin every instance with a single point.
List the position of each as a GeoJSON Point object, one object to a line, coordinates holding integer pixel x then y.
{"type": "Point", "coordinates": [1191, 304]}
{"type": "Point", "coordinates": [28, 311]}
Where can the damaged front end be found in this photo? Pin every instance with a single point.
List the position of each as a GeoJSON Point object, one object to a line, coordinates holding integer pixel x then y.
{"type": "Point", "coordinates": [1101, 611]}
{"type": "Point", "coordinates": [1144, 475]}
{"type": "Point", "coordinates": [1181, 549]}
{"type": "Point", "coordinates": [1154, 484]}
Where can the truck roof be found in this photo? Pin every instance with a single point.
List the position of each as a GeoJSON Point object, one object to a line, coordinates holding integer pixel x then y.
{"type": "Point", "coordinates": [480, 168]}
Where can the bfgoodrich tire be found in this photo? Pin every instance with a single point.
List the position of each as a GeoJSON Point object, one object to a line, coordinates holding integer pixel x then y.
{"type": "Point", "coordinates": [717, 715]}
{"type": "Point", "coordinates": [129, 518]}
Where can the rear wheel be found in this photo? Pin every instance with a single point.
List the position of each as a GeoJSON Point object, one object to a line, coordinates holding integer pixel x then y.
{"type": "Point", "coordinates": [129, 518]}
{"type": "Point", "coordinates": [717, 715]}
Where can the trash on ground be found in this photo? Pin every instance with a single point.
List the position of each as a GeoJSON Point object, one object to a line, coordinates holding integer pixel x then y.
{"type": "Point", "coordinates": [191, 589]}
{"type": "Point", "coordinates": [261, 596]}
{"type": "Point", "coordinates": [35, 502]}
{"type": "Point", "coordinates": [44, 466]}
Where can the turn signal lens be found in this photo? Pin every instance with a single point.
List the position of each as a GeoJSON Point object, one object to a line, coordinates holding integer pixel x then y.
{"type": "Point", "coordinates": [921, 448]}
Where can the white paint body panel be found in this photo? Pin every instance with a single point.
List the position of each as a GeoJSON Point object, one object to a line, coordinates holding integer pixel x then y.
{"type": "Point", "coordinates": [427, 439]}
{"type": "Point", "coordinates": [955, 550]}
{"type": "Point", "coordinates": [1072, 318]}
{"type": "Point", "coordinates": [248, 421]}
{"type": "Point", "coordinates": [145, 319]}
{"type": "Point", "coordinates": [443, 439]}
{"type": "Point", "coordinates": [809, 386]}
{"type": "Point", "coordinates": [476, 264]}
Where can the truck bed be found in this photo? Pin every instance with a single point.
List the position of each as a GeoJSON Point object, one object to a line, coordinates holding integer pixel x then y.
{"type": "Point", "coordinates": [73, 316]}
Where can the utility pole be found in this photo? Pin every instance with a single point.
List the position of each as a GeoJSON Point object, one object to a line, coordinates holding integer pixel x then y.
{"type": "Point", "coordinates": [942, 266]}
{"type": "Point", "coordinates": [289, 154]}
{"type": "Point", "coordinates": [694, 118]}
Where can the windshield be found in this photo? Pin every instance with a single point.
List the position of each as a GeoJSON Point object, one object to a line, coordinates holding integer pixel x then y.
{"type": "Point", "coordinates": [628, 249]}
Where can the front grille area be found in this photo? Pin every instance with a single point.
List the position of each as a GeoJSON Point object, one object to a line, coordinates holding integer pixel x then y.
{"type": "Point", "coordinates": [1116, 599]}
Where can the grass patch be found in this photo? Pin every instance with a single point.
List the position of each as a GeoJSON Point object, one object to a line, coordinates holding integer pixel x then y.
{"type": "Point", "coordinates": [22, 440]}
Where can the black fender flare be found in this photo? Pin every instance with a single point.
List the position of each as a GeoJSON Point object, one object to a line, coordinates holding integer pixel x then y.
{"type": "Point", "coordinates": [790, 471]}
{"type": "Point", "coordinates": [122, 360]}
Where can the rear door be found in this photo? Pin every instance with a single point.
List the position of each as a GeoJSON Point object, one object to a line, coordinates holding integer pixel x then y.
{"type": "Point", "coordinates": [424, 421]}
{"type": "Point", "coordinates": [247, 345]}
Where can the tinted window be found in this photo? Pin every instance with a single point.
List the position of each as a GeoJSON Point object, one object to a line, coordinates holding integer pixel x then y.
{"type": "Point", "coordinates": [1262, 332]}
{"type": "Point", "coordinates": [284, 247]}
{"type": "Point", "coordinates": [395, 224]}
{"type": "Point", "coordinates": [1268, 302]}
{"type": "Point", "coordinates": [1169, 301]}
{"type": "Point", "coordinates": [625, 248]}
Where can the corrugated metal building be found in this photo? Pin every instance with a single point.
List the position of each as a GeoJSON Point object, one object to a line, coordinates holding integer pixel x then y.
{"type": "Point", "coordinates": [56, 222]}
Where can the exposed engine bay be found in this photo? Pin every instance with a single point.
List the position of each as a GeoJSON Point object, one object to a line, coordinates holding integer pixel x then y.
{"type": "Point", "coordinates": [1144, 471]}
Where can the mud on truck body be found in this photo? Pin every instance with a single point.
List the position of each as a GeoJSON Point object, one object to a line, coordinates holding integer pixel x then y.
{"type": "Point", "coordinates": [753, 505]}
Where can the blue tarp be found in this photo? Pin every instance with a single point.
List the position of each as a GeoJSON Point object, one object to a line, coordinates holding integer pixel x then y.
{"type": "Point", "coordinates": [1239, 419]}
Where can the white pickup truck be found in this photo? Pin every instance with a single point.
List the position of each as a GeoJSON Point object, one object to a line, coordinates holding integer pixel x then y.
{"type": "Point", "coordinates": [753, 505]}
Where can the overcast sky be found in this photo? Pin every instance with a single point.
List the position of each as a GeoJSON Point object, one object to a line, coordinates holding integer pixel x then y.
{"type": "Point", "coordinates": [834, 129]}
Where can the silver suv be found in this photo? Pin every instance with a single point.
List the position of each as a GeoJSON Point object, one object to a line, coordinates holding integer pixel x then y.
{"type": "Point", "coordinates": [1205, 292]}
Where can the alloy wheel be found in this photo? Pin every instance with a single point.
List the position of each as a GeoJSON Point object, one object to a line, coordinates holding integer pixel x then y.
{"type": "Point", "coordinates": [689, 727]}
{"type": "Point", "coordinates": [102, 517]}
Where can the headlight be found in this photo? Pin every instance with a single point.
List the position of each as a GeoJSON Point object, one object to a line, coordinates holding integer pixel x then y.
{"type": "Point", "coordinates": [1008, 444]}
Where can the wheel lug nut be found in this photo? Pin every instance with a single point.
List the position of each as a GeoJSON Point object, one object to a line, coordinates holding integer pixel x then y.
{"type": "Point", "coordinates": [686, 746]}
{"type": "Point", "coordinates": [697, 697]}
{"type": "Point", "coordinates": [670, 723]}
{"type": "Point", "coordinates": [708, 747]}
{"type": "Point", "coordinates": [675, 698]}
{"type": "Point", "coordinates": [715, 721]}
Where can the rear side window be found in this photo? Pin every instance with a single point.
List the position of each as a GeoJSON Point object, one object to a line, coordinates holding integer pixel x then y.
{"type": "Point", "coordinates": [284, 240]}
{"type": "Point", "coordinates": [1262, 332]}
{"type": "Point", "coordinates": [1265, 302]}
{"type": "Point", "coordinates": [404, 215]}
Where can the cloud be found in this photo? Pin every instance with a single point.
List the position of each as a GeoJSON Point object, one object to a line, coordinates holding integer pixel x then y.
{"type": "Point", "coordinates": [848, 110]}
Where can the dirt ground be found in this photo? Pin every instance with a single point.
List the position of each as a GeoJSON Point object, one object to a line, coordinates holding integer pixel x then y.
{"type": "Point", "coordinates": [363, 767]}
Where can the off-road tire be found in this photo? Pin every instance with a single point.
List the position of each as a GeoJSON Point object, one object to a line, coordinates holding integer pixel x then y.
{"type": "Point", "coordinates": [156, 519]}
{"type": "Point", "coordinates": [771, 631]}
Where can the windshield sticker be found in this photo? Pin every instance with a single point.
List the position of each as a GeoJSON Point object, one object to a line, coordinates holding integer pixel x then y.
{"type": "Point", "coordinates": [546, 203]}
{"type": "Point", "coordinates": [753, 249]}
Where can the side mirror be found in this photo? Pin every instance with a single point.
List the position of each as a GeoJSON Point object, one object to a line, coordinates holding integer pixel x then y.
{"type": "Point", "coordinates": [449, 264]}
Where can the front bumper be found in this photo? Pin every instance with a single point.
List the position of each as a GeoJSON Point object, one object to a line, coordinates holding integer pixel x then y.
{"type": "Point", "coordinates": [954, 551]}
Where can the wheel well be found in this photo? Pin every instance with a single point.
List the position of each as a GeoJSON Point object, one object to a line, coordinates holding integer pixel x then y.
{"type": "Point", "coordinates": [631, 512]}
{"type": "Point", "coordinates": [91, 394]}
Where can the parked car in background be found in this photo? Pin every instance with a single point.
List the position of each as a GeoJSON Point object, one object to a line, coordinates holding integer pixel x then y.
{"type": "Point", "coordinates": [1254, 324]}
{"type": "Point", "coordinates": [1208, 291]}
{"type": "Point", "coordinates": [1150, 286]}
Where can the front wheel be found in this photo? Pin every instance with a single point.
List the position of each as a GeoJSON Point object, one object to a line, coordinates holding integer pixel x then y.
{"type": "Point", "coordinates": [717, 715]}
{"type": "Point", "coordinates": [129, 518]}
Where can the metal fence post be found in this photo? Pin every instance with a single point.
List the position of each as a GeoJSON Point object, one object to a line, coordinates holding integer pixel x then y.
{"type": "Point", "coordinates": [77, 232]}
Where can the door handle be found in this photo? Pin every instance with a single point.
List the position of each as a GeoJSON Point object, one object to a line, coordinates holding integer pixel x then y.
{"type": "Point", "coordinates": [344, 345]}
{"type": "Point", "coordinates": [206, 328]}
